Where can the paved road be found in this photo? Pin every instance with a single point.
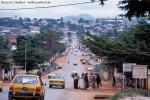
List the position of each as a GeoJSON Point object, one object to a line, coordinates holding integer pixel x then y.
{"type": "Point", "coordinates": [56, 93]}
{"type": "Point", "coordinates": [73, 57]}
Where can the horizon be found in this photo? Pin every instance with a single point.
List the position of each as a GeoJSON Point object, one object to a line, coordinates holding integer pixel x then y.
{"type": "Point", "coordinates": [110, 9]}
{"type": "Point", "coordinates": [58, 18]}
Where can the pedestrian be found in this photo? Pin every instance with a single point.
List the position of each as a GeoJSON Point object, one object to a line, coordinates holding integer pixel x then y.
{"type": "Point", "coordinates": [92, 81]}
{"type": "Point", "coordinates": [76, 79]}
{"type": "Point", "coordinates": [98, 80]}
{"type": "Point", "coordinates": [86, 81]}
{"type": "Point", "coordinates": [82, 85]}
{"type": "Point", "coordinates": [39, 73]}
{"type": "Point", "coordinates": [114, 81]}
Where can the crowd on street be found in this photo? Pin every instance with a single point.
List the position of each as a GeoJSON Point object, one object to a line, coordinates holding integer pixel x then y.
{"type": "Point", "coordinates": [86, 81]}
{"type": "Point", "coordinates": [89, 81]}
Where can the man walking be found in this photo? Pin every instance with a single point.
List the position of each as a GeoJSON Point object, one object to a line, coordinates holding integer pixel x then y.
{"type": "Point", "coordinates": [76, 79]}
{"type": "Point", "coordinates": [98, 80]}
{"type": "Point", "coordinates": [114, 81]}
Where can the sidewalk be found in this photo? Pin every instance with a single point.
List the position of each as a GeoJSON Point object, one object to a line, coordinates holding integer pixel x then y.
{"type": "Point", "coordinates": [88, 94]}
{"type": "Point", "coordinates": [105, 89]}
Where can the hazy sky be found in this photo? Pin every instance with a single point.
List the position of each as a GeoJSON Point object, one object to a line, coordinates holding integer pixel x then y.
{"type": "Point", "coordinates": [110, 9]}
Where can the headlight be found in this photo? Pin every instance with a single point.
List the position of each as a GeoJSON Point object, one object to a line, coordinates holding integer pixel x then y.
{"type": "Point", "coordinates": [14, 93]}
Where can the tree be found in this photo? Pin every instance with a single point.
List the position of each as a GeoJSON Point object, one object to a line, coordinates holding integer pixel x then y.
{"type": "Point", "coordinates": [131, 46]}
{"type": "Point", "coordinates": [5, 55]}
{"type": "Point", "coordinates": [138, 8]}
{"type": "Point", "coordinates": [133, 8]}
{"type": "Point", "coordinates": [52, 39]}
{"type": "Point", "coordinates": [35, 54]}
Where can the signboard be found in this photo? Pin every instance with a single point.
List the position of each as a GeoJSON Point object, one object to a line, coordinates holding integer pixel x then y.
{"type": "Point", "coordinates": [139, 71]}
{"type": "Point", "coordinates": [127, 67]}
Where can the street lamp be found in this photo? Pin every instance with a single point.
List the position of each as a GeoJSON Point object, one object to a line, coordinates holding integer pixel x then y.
{"type": "Point", "coordinates": [26, 56]}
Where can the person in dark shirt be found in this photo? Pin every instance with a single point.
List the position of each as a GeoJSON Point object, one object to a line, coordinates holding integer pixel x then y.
{"type": "Point", "coordinates": [98, 80]}
{"type": "Point", "coordinates": [86, 81]}
{"type": "Point", "coordinates": [113, 81]}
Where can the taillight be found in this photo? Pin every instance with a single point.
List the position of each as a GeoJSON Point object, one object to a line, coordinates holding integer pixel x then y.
{"type": "Point", "coordinates": [38, 89]}
{"type": "Point", "coordinates": [11, 88]}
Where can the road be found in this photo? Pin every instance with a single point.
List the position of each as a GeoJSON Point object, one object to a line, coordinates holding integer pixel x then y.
{"type": "Point", "coordinates": [56, 93]}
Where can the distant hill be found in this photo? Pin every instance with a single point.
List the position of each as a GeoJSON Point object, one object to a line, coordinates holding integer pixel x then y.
{"type": "Point", "coordinates": [67, 18]}
{"type": "Point", "coordinates": [83, 16]}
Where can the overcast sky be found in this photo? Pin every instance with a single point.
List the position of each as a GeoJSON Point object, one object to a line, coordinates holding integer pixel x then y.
{"type": "Point", "coordinates": [110, 9]}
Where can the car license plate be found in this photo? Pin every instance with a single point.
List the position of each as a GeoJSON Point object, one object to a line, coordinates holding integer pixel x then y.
{"type": "Point", "coordinates": [24, 90]}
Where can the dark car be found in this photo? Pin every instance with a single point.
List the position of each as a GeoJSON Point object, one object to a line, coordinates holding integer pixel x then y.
{"type": "Point", "coordinates": [75, 64]}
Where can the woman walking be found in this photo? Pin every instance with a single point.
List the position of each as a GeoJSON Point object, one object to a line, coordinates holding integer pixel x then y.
{"type": "Point", "coordinates": [92, 81]}
{"type": "Point", "coordinates": [98, 80]}
{"type": "Point", "coordinates": [82, 85]}
{"type": "Point", "coordinates": [86, 81]}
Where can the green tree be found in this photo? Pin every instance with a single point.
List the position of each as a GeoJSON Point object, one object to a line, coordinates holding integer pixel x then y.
{"type": "Point", "coordinates": [5, 55]}
{"type": "Point", "coordinates": [131, 46]}
{"type": "Point", "coordinates": [52, 40]}
{"type": "Point", "coordinates": [35, 54]}
{"type": "Point", "coordinates": [39, 48]}
{"type": "Point", "coordinates": [138, 8]}
{"type": "Point", "coordinates": [133, 8]}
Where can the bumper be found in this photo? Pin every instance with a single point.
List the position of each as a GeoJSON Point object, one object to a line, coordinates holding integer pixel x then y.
{"type": "Point", "coordinates": [24, 95]}
{"type": "Point", "coordinates": [56, 84]}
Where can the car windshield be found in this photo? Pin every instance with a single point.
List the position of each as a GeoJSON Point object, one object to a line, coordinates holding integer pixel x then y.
{"type": "Point", "coordinates": [25, 80]}
{"type": "Point", "coordinates": [56, 77]}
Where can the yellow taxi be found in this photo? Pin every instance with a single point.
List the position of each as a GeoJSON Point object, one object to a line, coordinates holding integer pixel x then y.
{"type": "Point", "coordinates": [1, 85]}
{"type": "Point", "coordinates": [26, 86]}
{"type": "Point", "coordinates": [56, 80]}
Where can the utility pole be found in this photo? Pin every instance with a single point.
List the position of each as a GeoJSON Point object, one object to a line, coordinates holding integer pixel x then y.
{"type": "Point", "coordinates": [25, 58]}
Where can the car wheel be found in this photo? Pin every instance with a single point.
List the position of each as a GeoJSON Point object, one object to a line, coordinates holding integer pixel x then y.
{"type": "Point", "coordinates": [41, 98]}
{"type": "Point", "coordinates": [0, 90]}
{"type": "Point", "coordinates": [50, 86]}
{"type": "Point", "coordinates": [10, 98]}
{"type": "Point", "coordinates": [63, 86]}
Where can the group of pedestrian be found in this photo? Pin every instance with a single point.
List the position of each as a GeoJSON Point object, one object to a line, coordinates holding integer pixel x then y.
{"type": "Point", "coordinates": [86, 81]}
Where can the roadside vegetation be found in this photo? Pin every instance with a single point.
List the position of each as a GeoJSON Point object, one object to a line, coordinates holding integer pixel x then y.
{"type": "Point", "coordinates": [131, 46]}
{"type": "Point", "coordinates": [39, 48]}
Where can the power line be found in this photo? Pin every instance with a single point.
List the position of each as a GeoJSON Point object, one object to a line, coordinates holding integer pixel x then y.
{"type": "Point", "coordinates": [71, 4]}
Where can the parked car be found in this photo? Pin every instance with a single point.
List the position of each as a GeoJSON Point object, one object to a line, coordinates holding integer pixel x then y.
{"type": "Point", "coordinates": [75, 64]}
{"type": "Point", "coordinates": [1, 85]}
{"type": "Point", "coordinates": [26, 86]}
{"type": "Point", "coordinates": [56, 66]}
{"type": "Point", "coordinates": [56, 80]}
